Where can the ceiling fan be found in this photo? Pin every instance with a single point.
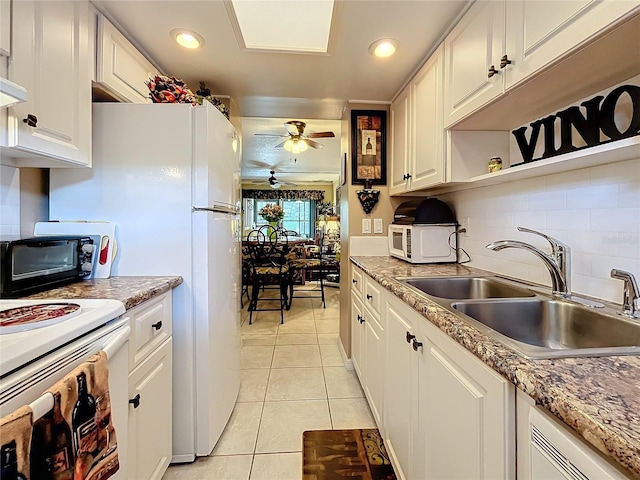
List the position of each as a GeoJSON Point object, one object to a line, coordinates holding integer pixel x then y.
{"type": "Point", "coordinates": [298, 141]}
{"type": "Point", "coordinates": [275, 183]}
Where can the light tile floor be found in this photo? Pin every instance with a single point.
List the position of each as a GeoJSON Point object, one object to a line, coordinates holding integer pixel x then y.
{"type": "Point", "coordinates": [293, 379]}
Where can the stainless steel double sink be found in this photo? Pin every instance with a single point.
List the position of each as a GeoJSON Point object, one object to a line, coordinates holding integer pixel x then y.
{"type": "Point", "coordinates": [533, 324]}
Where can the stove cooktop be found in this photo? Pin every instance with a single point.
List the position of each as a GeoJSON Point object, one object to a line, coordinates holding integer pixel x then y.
{"type": "Point", "coordinates": [34, 328]}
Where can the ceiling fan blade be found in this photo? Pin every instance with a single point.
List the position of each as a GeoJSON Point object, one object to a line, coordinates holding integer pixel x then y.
{"type": "Point", "coordinates": [280, 145]}
{"type": "Point", "coordinates": [313, 144]}
{"type": "Point", "coordinates": [320, 135]}
{"type": "Point", "coordinates": [287, 184]}
{"type": "Point", "coordinates": [295, 127]}
{"type": "Point", "coordinates": [270, 135]}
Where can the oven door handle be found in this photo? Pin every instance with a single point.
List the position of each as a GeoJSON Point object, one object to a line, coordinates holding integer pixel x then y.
{"type": "Point", "coordinates": [44, 404]}
{"type": "Point", "coordinates": [116, 342]}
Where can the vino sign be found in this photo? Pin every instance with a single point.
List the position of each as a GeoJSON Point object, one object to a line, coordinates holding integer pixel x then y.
{"type": "Point", "coordinates": [598, 116]}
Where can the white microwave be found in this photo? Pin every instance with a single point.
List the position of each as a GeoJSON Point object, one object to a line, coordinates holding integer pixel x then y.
{"type": "Point", "coordinates": [435, 243]}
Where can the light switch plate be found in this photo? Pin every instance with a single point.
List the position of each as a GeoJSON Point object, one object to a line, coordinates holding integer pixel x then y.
{"type": "Point", "coordinates": [377, 225]}
{"type": "Point", "coordinates": [366, 225]}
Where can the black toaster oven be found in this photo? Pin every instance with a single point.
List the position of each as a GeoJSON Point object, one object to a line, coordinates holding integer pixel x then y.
{"type": "Point", "coordinates": [32, 265]}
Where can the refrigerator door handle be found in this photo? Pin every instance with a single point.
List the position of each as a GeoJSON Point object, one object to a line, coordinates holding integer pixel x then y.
{"type": "Point", "coordinates": [219, 208]}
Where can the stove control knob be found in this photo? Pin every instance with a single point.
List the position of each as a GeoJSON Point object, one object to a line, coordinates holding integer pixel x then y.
{"type": "Point", "coordinates": [88, 248]}
{"type": "Point", "coordinates": [86, 267]}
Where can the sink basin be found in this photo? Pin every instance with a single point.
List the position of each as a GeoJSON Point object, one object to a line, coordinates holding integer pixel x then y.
{"type": "Point", "coordinates": [458, 288]}
{"type": "Point", "coordinates": [547, 328]}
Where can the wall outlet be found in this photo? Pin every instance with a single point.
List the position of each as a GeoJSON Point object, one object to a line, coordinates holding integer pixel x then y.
{"type": "Point", "coordinates": [366, 225]}
{"type": "Point", "coordinates": [377, 225]}
{"type": "Point", "coordinates": [464, 227]}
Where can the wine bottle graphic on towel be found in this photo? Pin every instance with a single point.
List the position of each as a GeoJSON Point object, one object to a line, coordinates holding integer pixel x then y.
{"type": "Point", "coordinates": [62, 459]}
{"type": "Point", "coordinates": [9, 462]}
{"type": "Point", "coordinates": [85, 430]}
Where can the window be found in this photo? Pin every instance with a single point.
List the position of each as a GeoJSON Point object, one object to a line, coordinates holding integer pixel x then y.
{"type": "Point", "coordinates": [299, 215]}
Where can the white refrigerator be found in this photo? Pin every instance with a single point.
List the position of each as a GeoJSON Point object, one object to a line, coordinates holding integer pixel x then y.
{"type": "Point", "coordinates": [168, 176]}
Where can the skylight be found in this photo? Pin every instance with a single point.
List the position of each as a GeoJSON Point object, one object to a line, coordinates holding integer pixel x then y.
{"type": "Point", "coordinates": [284, 25]}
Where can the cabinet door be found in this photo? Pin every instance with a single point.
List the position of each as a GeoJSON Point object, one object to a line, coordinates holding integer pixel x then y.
{"type": "Point", "coordinates": [399, 120]}
{"type": "Point", "coordinates": [475, 44]}
{"type": "Point", "coordinates": [357, 339]}
{"type": "Point", "coordinates": [427, 133]}
{"type": "Point", "coordinates": [150, 426]}
{"type": "Point", "coordinates": [121, 69]}
{"type": "Point", "coordinates": [466, 408]}
{"type": "Point", "coordinates": [50, 58]}
{"type": "Point", "coordinates": [5, 28]}
{"type": "Point", "coordinates": [399, 376]}
{"type": "Point", "coordinates": [375, 362]}
{"type": "Point", "coordinates": [536, 39]}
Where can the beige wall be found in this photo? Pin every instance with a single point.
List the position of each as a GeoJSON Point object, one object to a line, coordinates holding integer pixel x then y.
{"type": "Point", "coordinates": [352, 215]}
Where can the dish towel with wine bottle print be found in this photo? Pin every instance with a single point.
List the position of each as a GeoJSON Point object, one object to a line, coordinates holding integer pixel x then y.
{"type": "Point", "coordinates": [76, 440]}
{"type": "Point", "coordinates": [85, 438]}
{"type": "Point", "coordinates": [15, 435]}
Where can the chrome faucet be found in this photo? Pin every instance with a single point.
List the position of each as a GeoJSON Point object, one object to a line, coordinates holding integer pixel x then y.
{"type": "Point", "coordinates": [558, 262]}
{"type": "Point", "coordinates": [630, 294]}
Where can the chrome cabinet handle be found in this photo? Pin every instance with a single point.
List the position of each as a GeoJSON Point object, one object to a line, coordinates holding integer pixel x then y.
{"type": "Point", "coordinates": [410, 337]}
{"type": "Point", "coordinates": [135, 401]}
{"type": "Point", "coordinates": [157, 325]}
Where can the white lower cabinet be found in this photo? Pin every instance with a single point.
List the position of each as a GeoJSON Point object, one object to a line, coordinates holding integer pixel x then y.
{"type": "Point", "coordinates": [367, 343]}
{"type": "Point", "coordinates": [465, 414]}
{"type": "Point", "coordinates": [150, 389]}
{"type": "Point", "coordinates": [400, 388]}
{"type": "Point", "coordinates": [446, 414]}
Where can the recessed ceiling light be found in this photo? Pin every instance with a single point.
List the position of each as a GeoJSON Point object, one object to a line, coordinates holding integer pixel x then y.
{"type": "Point", "coordinates": [385, 47]}
{"type": "Point", "coordinates": [187, 38]}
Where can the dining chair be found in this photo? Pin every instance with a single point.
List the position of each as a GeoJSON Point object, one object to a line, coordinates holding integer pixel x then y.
{"type": "Point", "coordinates": [306, 260]}
{"type": "Point", "coordinates": [268, 269]}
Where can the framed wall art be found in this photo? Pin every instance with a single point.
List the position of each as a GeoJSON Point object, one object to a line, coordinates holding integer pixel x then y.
{"type": "Point", "coordinates": [369, 147]}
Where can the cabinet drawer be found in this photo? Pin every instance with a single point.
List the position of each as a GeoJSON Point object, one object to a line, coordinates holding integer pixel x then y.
{"type": "Point", "coordinates": [357, 281]}
{"type": "Point", "coordinates": [151, 325]}
{"type": "Point", "coordinates": [372, 295]}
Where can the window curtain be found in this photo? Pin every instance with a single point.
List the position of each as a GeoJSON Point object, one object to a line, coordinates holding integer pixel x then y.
{"type": "Point", "coordinates": [272, 194]}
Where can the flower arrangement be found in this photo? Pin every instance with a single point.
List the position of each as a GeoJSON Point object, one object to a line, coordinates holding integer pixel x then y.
{"type": "Point", "coordinates": [204, 93]}
{"type": "Point", "coordinates": [165, 89]}
{"type": "Point", "coordinates": [272, 212]}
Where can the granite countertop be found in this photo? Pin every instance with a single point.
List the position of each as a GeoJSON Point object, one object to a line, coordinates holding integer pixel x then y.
{"type": "Point", "coordinates": [598, 397]}
{"type": "Point", "coordinates": [131, 291]}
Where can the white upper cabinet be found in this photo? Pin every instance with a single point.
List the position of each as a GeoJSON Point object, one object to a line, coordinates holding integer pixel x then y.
{"type": "Point", "coordinates": [5, 28]}
{"type": "Point", "coordinates": [537, 37]}
{"type": "Point", "coordinates": [51, 59]}
{"type": "Point", "coordinates": [472, 53]}
{"type": "Point", "coordinates": [121, 70]}
{"type": "Point", "coordinates": [417, 155]}
{"type": "Point", "coordinates": [399, 121]}
{"type": "Point", "coordinates": [498, 45]}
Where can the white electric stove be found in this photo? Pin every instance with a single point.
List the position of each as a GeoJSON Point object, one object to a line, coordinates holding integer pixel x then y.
{"type": "Point", "coordinates": [30, 329]}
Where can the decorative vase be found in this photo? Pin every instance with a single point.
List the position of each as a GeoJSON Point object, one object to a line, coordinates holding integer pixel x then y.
{"type": "Point", "coordinates": [272, 230]}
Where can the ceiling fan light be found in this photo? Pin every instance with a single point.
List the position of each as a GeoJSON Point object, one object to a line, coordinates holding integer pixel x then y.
{"type": "Point", "coordinates": [303, 145]}
{"type": "Point", "coordinates": [383, 48]}
{"type": "Point", "coordinates": [288, 145]}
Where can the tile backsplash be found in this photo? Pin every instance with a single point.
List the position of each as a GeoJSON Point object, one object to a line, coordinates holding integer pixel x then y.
{"type": "Point", "coordinates": [596, 211]}
{"type": "Point", "coordinates": [9, 202]}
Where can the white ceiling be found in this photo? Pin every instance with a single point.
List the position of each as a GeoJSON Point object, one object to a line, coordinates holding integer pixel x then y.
{"type": "Point", "coordinates": [271, 88]}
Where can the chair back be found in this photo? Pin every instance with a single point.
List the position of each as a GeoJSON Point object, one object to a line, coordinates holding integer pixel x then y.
{"type": "Point", "coordinates": [266, 247]}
